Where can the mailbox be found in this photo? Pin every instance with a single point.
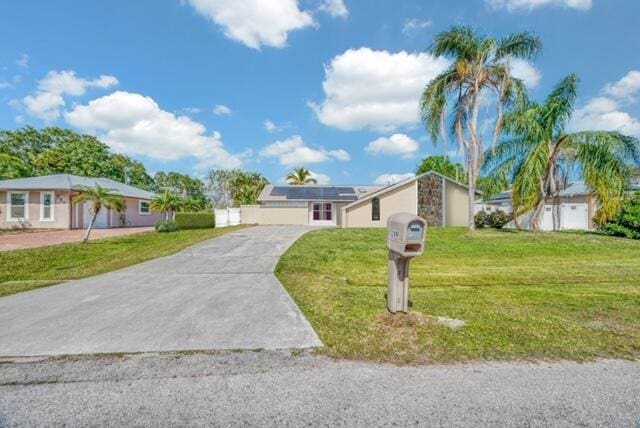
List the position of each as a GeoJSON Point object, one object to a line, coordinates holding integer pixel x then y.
{"type": "Point", "coordinates": [405, 240]}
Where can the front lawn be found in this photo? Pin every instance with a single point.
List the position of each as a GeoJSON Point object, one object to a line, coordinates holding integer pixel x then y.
{"type": "Point", "coordinates": [23, 270]}
{"type": "Point", "coordinates": [521, 296]}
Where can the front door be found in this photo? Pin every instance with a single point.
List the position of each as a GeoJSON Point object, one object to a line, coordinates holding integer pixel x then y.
{"type": "Point", "coordinates": [322, 214]}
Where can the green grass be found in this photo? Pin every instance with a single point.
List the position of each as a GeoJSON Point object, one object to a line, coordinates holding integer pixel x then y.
{"type": "Point", "coordinates": [23, 270]}
{"type": "Point", "coordinates": [522, 296]}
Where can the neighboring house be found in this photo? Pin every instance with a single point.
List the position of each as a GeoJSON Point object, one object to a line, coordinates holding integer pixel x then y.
{"type": "Point", "coordinates": [46, 203]}
{"type": "Point", "coordinates": [438, 199]}
{"type": "Point", "coordinates": [575, 208]}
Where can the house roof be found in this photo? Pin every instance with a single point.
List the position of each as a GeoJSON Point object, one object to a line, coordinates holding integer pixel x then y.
{"type": "Point", "coordinates": [394, 186]}
{"type": "Point", "coordinates": [314, 192]}
{"type": "Point", "coordinates": [73, 182]}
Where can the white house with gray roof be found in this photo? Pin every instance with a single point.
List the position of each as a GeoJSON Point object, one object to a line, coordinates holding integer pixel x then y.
{"type": "Point", "coordinates": [46, 203]}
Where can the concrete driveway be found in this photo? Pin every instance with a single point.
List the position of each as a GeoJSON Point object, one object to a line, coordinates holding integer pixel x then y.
{"type": "Point", "coordinates": [220, 294]}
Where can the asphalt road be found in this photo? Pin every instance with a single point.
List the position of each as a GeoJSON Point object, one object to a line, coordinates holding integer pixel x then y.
{"type": "Point", "coordinates": [220, 294]}
{"type": "Point", "coordinates": [283, 388]}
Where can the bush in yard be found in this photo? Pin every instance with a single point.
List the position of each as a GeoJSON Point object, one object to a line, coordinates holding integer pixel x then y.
{"type": "Point", "coordinates": [164, 226]}
{"type": "Point", "coordinates": [498, 219]}
{"type": "Point", "coordinates": [201, 220]}
{"type": "Point", "coordinates": [627, 222]}
{"type": "Point", "coordinates": [480, 219]}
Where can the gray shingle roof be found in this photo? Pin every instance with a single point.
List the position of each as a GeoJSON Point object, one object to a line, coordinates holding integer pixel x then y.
{"type": "Point", "coordinates": [73, 182]}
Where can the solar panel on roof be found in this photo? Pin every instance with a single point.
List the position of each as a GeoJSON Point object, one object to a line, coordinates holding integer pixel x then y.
{"type": "Point", "coordinates": [315, 193]}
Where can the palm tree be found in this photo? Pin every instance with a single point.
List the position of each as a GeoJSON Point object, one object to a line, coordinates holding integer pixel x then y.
{"type": "Point", "coordinates": [166, 202]}
{"type": "Point", "coordinates": [99, 197]}
{"type": "Point", "coordinates": [481, 69]}
{"type": "Point", "coordinates": [301, 176]}
{"type": "Point", "coordinates": [539, 155]}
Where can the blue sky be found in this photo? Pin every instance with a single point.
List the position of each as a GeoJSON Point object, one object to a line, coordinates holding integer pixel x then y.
{"type": "Point", "coordinates": [268, 85]}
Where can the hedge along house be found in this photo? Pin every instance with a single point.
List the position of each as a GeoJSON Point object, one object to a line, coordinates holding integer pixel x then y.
{"type": "Point", "coordinates": [46, 203]}
{"type": "Point", "coordinates": [438, 199]}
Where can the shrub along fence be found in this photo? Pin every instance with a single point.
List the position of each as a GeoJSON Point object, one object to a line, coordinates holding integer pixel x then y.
{"type": "Point", "coordinates": [203, 220]}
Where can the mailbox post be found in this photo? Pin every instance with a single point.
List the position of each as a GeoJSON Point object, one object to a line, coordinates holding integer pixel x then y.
{"type": "Point", "coordinates": [405, 240]}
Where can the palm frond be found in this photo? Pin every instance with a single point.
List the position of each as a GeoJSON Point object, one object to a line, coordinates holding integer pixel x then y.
{"type": "Point", "coordinates": [520, 45]}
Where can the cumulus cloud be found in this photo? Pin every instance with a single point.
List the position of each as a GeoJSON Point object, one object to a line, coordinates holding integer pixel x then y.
{"type": "Point", "coordinates": [525, 71]}
{"type": "Point", "coordinates": [397, 144]}
{"type": "Point", "coordinates": [415, 25]}
{"type": "Point", "coordinates": [517, 5]}
{"type": "Point", "coordinates": [335, 8]}
{"type": "Point", "coordinates": [134, 124]}
{"type": "Point", "coordinates": [221, 110]}
{"type": "Point", "coordinates": [47, 102]}
{"type": "Point", "coordinates": [294, 152]}
{"type": "Point", "coordinates": [367, 89]}
{"type": "Point", "coordinates": [388, 179]}
{"type": "Point", "coordinates": [255, 23]}
{"type": "Point", "coordinates": [605, 112]}
{"type": "Point", "coordinates": [626, 88]}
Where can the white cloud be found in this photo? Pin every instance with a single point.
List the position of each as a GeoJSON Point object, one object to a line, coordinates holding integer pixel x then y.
{"type": "Point", "coordinates": [415, 25]}
{"type": "Point", "coordinates": [136, 125]}
{"type": "Point", "coordinates": [4, 84]}
{"type": "Point", "coordinates": [221, 110]}
{"type": "Point", "coordinates": [525, 71]}
{"type": "Point", "coordinates": [387, 179]}
{"type": "Point", "coordinates": [604, 114]}
{"type": "Point", "coordinates": [255, 22]}
{"type": "Point", "coordinates": [397, 144]}
{"type": "Point", "coordinates": [46, 103]}
{"type": "Point", "coordinates": [23, 61]}
{"type": "Point", "coordinates": [335, 8]}
{"type": "Point", "coordinates": [375, 89]}
{"type": "Point", "coordinates": [626, 88]}
{"type": "Point", "coordinates": [320, 178]}
{"type": "Point", "coordinates": [294, 152]}
{"type": "Point", "coordinates": [270, 126]}
{"type": "Point", "coordinates": [516, 5]}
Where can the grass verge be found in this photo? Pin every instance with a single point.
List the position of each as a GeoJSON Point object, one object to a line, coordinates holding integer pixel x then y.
{"type": "Point", "coordinates": [521, 295]}
{"type": "Point", "coordinates": [23, 270]}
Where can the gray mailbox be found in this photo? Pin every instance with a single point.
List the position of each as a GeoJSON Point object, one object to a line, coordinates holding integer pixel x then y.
{"type": "Point", "coordinates": [405, 240]}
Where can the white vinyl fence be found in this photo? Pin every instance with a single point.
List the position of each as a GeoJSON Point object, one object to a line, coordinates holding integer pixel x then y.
{"type": "Point", "coordinates": [227, 217]}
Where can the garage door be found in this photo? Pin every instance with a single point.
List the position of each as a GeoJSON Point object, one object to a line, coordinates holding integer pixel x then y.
{"type": "Point", "coordinates": [101, 220]}
{"type": "Point", "coordinates": [575, 216]}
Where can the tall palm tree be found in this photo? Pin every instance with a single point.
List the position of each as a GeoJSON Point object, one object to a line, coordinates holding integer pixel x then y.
{"type": "Point", "coordinates": [538, 155]}
{"type": "Point", "coordinates": [301, 176]}
{"type": "Point", "coordinates": [166, 202]}
{"type": "Point", "coordinates": [99, 197]}
{"type": "Point", "coordinates": [480, 71]}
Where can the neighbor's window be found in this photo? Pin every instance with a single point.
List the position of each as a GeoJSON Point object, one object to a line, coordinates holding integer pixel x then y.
{"type": "Point", "coordinates": [375, 209]}
{"type": "Point", "coordinates": [46, 206]}
{"type": "Point", "coordinates": [143, 207]}
{"type": "Point", "coordinates": [18, 206]}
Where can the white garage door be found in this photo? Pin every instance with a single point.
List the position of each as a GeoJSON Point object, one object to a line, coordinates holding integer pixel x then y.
{"type": "Point", "coordinates": [575, 216]}
{"type": "Point", "coordinates": [101, 220]}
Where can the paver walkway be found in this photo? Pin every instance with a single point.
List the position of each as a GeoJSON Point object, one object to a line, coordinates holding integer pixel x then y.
{"type": "Point", "coordinates": [28, 239]}
{"type": "Point", "coordinates": [220, 294]}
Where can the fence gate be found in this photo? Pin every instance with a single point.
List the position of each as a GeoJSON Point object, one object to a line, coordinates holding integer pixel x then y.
{"type": "Point", "coordinates": [227, 217]}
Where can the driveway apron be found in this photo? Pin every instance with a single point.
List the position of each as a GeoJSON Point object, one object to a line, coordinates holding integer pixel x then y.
{"type": "Point", "coordinates": [220, 294]}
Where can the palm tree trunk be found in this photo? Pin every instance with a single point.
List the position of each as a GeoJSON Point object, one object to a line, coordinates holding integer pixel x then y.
{"type": "Point", "coordinates": [166, 215]}
{"type": "Point", "coordinates": [93, 220]}
{"type": "Point", "coordinates": [473, 157]}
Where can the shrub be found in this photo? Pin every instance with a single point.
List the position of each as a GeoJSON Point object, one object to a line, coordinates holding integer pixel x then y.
{"type": "Point", "coordinates": [164, 226]}
{"type": "Point", "coordinates": [202, 220]}
{"type": "Point", "coordinates": [480, 219]}
{"type": "Point", "coordinates": [627, 222]}
{"type": "Point", "coordinates": [498, 219]}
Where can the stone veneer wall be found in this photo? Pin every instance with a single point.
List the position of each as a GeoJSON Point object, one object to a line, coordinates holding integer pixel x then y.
{"type": "Point", "coordinates": [430, 188]}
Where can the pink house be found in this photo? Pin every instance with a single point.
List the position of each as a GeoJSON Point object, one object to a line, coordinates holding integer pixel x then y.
{"type": "Point", "coordinates": [46, 203]}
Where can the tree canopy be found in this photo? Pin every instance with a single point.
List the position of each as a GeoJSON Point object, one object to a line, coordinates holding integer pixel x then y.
{"type": "Point", "coordinates": [228, 188]}
{"type": "Point", "coordinates": [443, 165]}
